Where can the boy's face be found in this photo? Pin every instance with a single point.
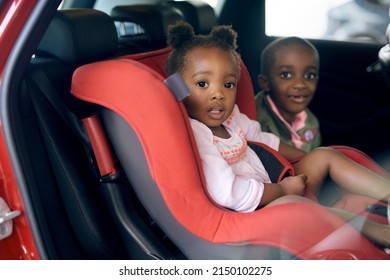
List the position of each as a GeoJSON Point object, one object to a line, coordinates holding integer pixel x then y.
{"type": "Point", "coordinates": [211, 75]}
{"type": "Point", "coordinates": [292, 79]}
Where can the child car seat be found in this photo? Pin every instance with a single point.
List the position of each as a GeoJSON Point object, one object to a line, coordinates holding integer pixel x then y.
{"type": "Point", "coordinates": [152, 138]}
{"type": "Point", "coordinates": [245, 101]}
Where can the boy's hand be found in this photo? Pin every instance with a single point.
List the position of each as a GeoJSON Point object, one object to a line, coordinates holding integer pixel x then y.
{"type": "Point", "coordinates": [294, 185]}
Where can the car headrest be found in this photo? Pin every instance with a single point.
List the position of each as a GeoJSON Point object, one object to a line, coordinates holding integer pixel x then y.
{"type": "Point", "coordinates": [154, 19]}
{"type": "Point", "coordinates": [78, 36]}
{"type": "Point", "coordinates": [197, 13]}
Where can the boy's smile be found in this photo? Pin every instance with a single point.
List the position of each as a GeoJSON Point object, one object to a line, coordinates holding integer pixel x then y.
{"type": "Point", "coordinates": [298, 98]}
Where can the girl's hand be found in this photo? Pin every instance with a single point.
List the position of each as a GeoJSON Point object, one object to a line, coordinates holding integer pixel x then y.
{"type": "Point", "coordinates": [294, 185]}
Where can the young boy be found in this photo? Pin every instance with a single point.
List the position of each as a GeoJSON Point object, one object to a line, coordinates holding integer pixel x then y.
{"type": "Point", "coordinates": [288, 79]}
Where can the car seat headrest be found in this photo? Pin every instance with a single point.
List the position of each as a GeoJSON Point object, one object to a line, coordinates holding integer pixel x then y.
{"type": "Point", "coordinates": [245, 92]}
{"type": "Point", "coordinates": [197, 13]}
{"type": "Point", "coordinates": [154, 19]}
{"type": "Point", "coordinates": [78, 36]}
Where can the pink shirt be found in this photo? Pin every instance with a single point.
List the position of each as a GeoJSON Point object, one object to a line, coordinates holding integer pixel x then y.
{"type": "Point", "coordinates": [234, 174]}
{"type": "Point", "coordinates": [297, 124]}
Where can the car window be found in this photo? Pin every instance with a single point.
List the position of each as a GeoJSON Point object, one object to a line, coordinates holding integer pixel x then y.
{"type": "Point", "coordinates": [342, 20]}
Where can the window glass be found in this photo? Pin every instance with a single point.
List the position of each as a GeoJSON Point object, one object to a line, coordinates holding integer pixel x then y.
{"type": "Point", "coordinates": [345, 20]}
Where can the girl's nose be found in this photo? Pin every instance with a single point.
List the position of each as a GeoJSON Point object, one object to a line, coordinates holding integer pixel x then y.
{"type": "Point", "coordinates": [218, 94]}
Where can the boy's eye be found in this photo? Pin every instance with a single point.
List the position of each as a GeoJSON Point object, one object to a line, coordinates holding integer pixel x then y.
{"type": "Point", "coordinates": [311, 76]}
{"type": "Point", "coordinates": [230, 85]}
{"type": "Point", "coordinates": [285, 75]}
{"type": "Point", "coordinates": [202, 84]}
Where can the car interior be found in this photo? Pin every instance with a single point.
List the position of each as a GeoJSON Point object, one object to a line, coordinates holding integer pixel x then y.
{"type": "Point", "coordinates": [95, 121]}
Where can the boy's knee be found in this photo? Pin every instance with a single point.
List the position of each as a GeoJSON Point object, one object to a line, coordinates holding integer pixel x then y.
{"type": "Point", "coordinates": [325, 151]}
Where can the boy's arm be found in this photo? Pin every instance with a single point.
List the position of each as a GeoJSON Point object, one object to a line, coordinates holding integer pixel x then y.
{"type": "Point", "coordinates": [290, 152]}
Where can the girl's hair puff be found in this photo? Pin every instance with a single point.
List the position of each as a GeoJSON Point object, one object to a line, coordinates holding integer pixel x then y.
{"type": "Point", "coordinates": [182, 39]}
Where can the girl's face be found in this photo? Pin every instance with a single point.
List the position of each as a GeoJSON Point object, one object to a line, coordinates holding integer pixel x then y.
{"type": "Point", "coordinates": [211, 75]}
{"type": "Point", "coordinates": [292, 79]}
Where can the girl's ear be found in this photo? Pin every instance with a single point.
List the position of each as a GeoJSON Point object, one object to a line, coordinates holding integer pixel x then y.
{"type": "Point", "coordinates": [263, 82]}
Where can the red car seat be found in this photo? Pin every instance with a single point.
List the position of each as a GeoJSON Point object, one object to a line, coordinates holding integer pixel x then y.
{"type": "Point", "coordinates": [153, 141]}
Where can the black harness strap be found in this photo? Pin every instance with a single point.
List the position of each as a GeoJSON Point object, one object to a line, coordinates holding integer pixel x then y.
{"type": "Point", "coordinates": [276, 165]}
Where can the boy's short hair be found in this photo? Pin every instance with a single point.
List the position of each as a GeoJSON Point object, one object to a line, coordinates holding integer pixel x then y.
{"type": "Point", "coordinates": [268, 54]}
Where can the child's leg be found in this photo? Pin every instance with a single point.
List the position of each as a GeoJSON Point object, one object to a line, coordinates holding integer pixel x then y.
{"type": "Point", "coordinates": [290, 199]}
{"type": "Point", "coordinates": [376, 232]}
{"type": "Point", "coordinates": [346, 173]}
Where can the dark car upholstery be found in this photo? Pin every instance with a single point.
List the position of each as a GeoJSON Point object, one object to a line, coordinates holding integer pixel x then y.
{"type": "Point", "coordinates": [61, 181]}
{"type": "Point", "coordinates": [76, 205]}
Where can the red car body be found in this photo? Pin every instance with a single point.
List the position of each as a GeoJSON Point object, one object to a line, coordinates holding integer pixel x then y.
{"type": "Point", "coordinates": [20, 245]}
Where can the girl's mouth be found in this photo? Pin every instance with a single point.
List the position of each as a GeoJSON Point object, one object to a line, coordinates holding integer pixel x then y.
{"type": "Point", "coordinates": [216, 113]}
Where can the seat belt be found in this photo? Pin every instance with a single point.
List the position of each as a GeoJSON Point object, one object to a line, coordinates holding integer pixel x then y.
{"type": "Point", "coordinates": [89, 130]}
{"type": "Point", "coordinates": [45, 86]}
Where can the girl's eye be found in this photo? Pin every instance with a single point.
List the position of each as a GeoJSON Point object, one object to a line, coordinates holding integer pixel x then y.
{"type": "Point", "coordinates": [285, 75]}
{"type": "Point", "coordinates": [311, 76]}
{"type": "Point", "coordinates": [230, 85]}
{"type": "Point", "coordinates": [202, 84]}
